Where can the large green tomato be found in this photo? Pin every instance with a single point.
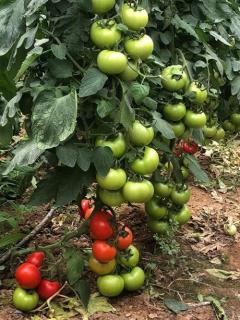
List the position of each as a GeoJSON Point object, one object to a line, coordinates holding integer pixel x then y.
{"type": "Point", "coordinates": [130, 73]}
{"type": "Point", "coordinates": [220, 134]}
{"type": "Point", "coordinates": [174, 78]}
{"type": "Point", "coordinates": [117, 145]}
{"type": "Point", "coordinates": [6, 133]}
{"type": "Point", "coordinates": [138, 191]}
{"type": "Point", "coordinates": [197, 93]}
{"type": "Point", "coordinates": [147, 164]}
{"type": "Point", "coordinates": [181, 217]}
{"type": "Point", "coordinates": [195, 120]}
{"type": "Point", "coordinates": [134, 280]}
{"type": "Point", "coordinates": [209, 132]}
{"type": "Point", "coordinates": [160, 227]}
{"type": "Point", "coordinates": [155, 209]}
{"type": "Point", "coordinates": [130, 257]}
{"type": "Point", "coordinates": [105, 35]}
{"type": "Point", "coordinates": [163, 190]}
{"type": "Point", "coordinates": [111, 198]}
{"type": "Point", "coordinates": [229, 126]}
{"type": "Point", "coordinates": [140, 48]}
{"type": "Point", "coordinates": [185, 172]}
{"type": "Point", "coordinates": [102, 6]}
{"type": "Point", "coordinates": [235, 119]}
{"type": "Point", "coordinates": [180, 197]}
{"type": "Point", "coordinates": [178, 128]}
{"type": "Point", "coordinates": [25, 300]}
{"type": "Point", "coordinates": [101, 268]}
{"type": "Point", "coordinates": [134, 18]}
{"type": "Point", "coordinates": [110, 285]}
{"type": "Point", "coordinates": [174, 112]}
{"type": "Point", "coordinates": [140, 135]}
{"type": "Point", "coordinates": [111, 62]}
{"type": "Point", "coordinates": [114, 180]}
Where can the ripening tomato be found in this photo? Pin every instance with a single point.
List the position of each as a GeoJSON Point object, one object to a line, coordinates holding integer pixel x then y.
{"type": "Point", "coordinates": [209, 132]}
{"type": "Point", "coordinates": [138, 191]}
{"type": "Point", "coordinates": [159, 226]}
{"type": "Point", "coordinates": [101, 268]}
{"type": "Point", "coordinates": [104, 34]}
{"type": "Point", "coordinates": [130, 257]}
{"type": "Point", "coordinates": [197, 93]}
{"type": "Point", "coordinates": [117, 145]}
{"type": "Point", "coordinates": [103, 251]}
{"type": "Point", "coordinates": [24, 300]}
{"type": "Point", "coordinates": [111, 198]}
{"type": "Point", "coordinates": [36, 258]}
{"type": "Point", "coordinates": [147, 164]}
{"type": "Point", "coordinates": [102, 6]}
{"type": "Point", "coordinates": [101, 226]}
{"type": "Point", "coordinates": [47, 288]}
{"type": "Point", "coordinates": [235, 119]}
{"type": "Point", "coordinates": [189, 147]}
{"type": "Point", "coordinates": [110, 285]}
{"type": "Point", "coordinates": [111, 62]}
{"type": "Point", "coordinates": [174, 78]}
{"type": "Point", "coordinates": [155, 209]}
{"type": "Point", "coordinates": [163, 190]}
{"type": "Point", "coordinates": [28, 275]}
{"type": "Point", "coordinates": [140, 48]}
{"type": "Point", "coordinates": [114, 180]}
{"type": "Point", "coordinates": [180, 196]}
{"type": "Point", "coordinates": [178, 128]}
{"type": "Point", "coordinates": [220, 134]}
{"type": "Point", "coordinates": [134, 279]}
{"type": "Point", "coordinates": [182, 216]}
{"type": "Point", "coordinates": [174, 112]}
{"type": "Point", "coordinates": [125, 238]}
{"type": "Point", "coordinates": [195, 120]}
{"type": "Point", "coordinates": [130, 73]}
{"type": "Point", "coordinates": [140, 135]}
{"type": "Point", "coordinates": [86, 208]}
{"type": "Point", "coordinates": [135, 18]}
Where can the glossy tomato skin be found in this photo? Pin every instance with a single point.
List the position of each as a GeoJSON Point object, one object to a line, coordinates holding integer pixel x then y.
{"type": "Point", "coordinates": [195, 120]}
{"type": "Point", "coordinates": [220, 134]}
{"type": "Point", "coordinates": [110, 285]}
{"type": "Point", "coordinates": [178, 128]}
{"type": "Point", "coordinates": [24, 300]}
{"type": "Point", "coordinates": [155, 210]}
{"type": "Point", "coordinates": [86, 208]}
{"type": "Point", "coordinates": [174, 112]}
{"type": "Point", "coordinates": [134, 280]}
{"type": "Point", "coordinates": [125, 238]}
{"type": "Point", "coordinates": [134, 19]}
{"type": "Point", "coordinates": [163, 190]}
{"type": "Point", "coordinates": [140, 135]}
{"type": "Point", "coordinates": [190, 147]}
{"type": "Point", "coordinates": [36, 258]}
{"type": "Point", "coordinates": [180, 197]}
{"type": "Point", "coordinates": [174, 78]}
{"type": "Point", "coordinates": [198, 93]}
{"type": "Point", "coordinates": [101, 268]}
{"type": "Point", "coordinates": [105, 37]}
{"type": "Point", "coordinates": [235, 119]}
{"type": "Point", "coordinates": [103, 251]}
{"type": "Point", "coordinates": [182, 216]}
{"type": "Point", "coordinates": [138, 192]}
{"type": "Point", "coordinates": [111, 198]}
{"type": "Point", "coordinates": [209, 132]}
{"type": "Point", "coordinates": [102, 6]}
{"type": "Point", "coordinates": [100, 226]}
{"type": "Point", "coordinates": [229, 126]}
{"type": "Point", "coordinates": [28, 276]}
{"type": "Point", "coordinates": [117, 145]}
{"type": "Point", "coordinates": [140, 48]}
{"type": "Point", "coordinates": [131, 257]}
{"type": "Point", "coordinates": [114, 180]}
{"type": "Point", "coordinates": [148, 164]}
{"type": "Point", "coordinates": [158, 226]}
{"type": "Point", "coordinates": [130, 73]}
{"type": "Point", "coordinates": [111, 62]}
{"type": "Point", "coordinates": [47, 288]}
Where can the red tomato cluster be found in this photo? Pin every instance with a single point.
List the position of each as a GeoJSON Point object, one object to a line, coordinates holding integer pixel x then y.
{"type": "Point", "coordinates": [28, 277]}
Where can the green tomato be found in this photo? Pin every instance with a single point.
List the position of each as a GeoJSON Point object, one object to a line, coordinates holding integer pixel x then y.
{"type": "Point", "coordinates": [185, 172]}
{"type": "Point", "coordinates": [134, 280]}
{"type": "Point", "coordinates": [102, 6]}
{"type": "Point", "coordinates": [138, 191]}
{"type": "Point", "coordinates": [130, 73]}
{"type": "Point", "coordinates": [197, 93]}
{"type": "Point", "coordinates": [174, 78]}
{"type": "Point", "coordinates": [235, 119]}
{"type": "Point", "coordinates": [110, 285]}
{"type": "Point", "coordinates": [117, 145]}
{"type": "Point", "coordinates": [230, 229]}
{"type": "Point", "coordinates": [160, 227]}
{"type": "Point", "coordinates": [140, 48]}
{"type": "Point", "coordinates": [220, 134]}
{"type": "Point", "coordinates": [182, 216]}
{"type": "Point", "coordinates": [25, 300]}
{"type": "Point", "coordinates": [105, 36]}
{"type": "Point", "coordinates": [174, 112]}
{"type": "Point", "coordinates": [130, 257]}
{"type": "Point", "coordinates": [114, 180]}
{"type": "Point", "coordinates": [229, 126]}
{"type": "Point", "coordinates": [147, 164]}
{"type": "Point", "coordinates": [140, 135]}
{"type": "Point", "coordinates": [111, 198]}
{"type": "Point", "coordinates": [209, 132]}
{"type": "Point", "coordinates": [111, 62]}
{"type": "Point", "coordinates": [178, 128]}
{"type": "Point", "coordinates": [163, 190]}
{"type": "Point", "coordinates": [155, 210]}
{"type": "Point", "coordinates": [134, 18]}
{"type": "Point", "coordinates": [180, 197]}
{"type": "Point", "coordinates": [195, 120]}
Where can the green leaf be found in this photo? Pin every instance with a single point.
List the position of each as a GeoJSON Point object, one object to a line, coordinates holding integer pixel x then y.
{"type": "Point", "coordinates": [196, 170]}
{"type": "Point", "coordinates": [82, 288]}
{"type": "Point", "coordinates": [59, 50]}
{"type": "Point", "coordinates": [218, 37]}
{"type": "Point", "coordinates": [75, 265]}
{"type": "Point", "coordinates": [175, 306]}
{"type": "Point", "coordinates": [150, 103]}
{"type": "Point", "coordinates": [10, 239]}
{"type": "Point", "coordinates": [11, 17]}
{"type": "Point", "coordinates": [126, 114]}
{"type": "Point", "coordinates": [104, 108]}
{"type": "Point", "coordinates": [34, 5]}
{"type": "Point", "coordinates": [162, 126]}
{"type": "Point", "coordinates": [10, 109]}
{"type": "Point", "coordinates": [179, 23]}
{"type": "Point", "coordinates": [84, 158]}
{"type": "Point", "coordinates": [53, 118]}
{"type": "Point", "coordinates": [139, 91]}
{"type": "Point", "coordinates": [60, 69]}
{"type": "Point", "coordinates": [67, 154]}
{"type": "Point", "coordinates": [92, 82]}
{"type": "Point", "coordinates": [7, 86]}
{"type": "Point", "coordinates": [7, 218]}
{"type": "Point", "coordinates": [198, 136]}
{"type": "Point", "coordinates": [104, 165]}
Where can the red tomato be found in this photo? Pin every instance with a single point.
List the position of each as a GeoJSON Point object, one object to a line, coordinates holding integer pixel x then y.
{"type": "Point", "coordinates": [103, 251]}
{"type": "Point", "coordinates": [28, 276]}
{"type": "Point", "coordinates": [36, 258]}
{"type": "Point", "coordinates": [125, 238]}
{"type": "Point", "coordinates": [190, 147]}
{"type": "Point", "coordinates": [100, 226]}
{"type": "Point", "coordinates": [86, 208]}
{"type": "Point", "coordinates": [47, 289]}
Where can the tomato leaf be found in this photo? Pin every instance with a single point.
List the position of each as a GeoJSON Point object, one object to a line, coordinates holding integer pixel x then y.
{"type": "Point", "coordinates": [84, 158]}
{"type": "Point", "coordinates": [107, 160]}
{"type": "Point", "coordinates": [75, 265]}
{"type": "Point", "coordinates": [59, 50]}
{"type": "Point", "coordinates": [162, 126]}
{"type": "Point", "coordinates": [175, 306]}
{"type": "Point", "coordinates": [10, 239]}
{"type": "Point", "coordinates": [92, 82]}
{"type": "Point", "coordinates": [82, 288]}
{"type": "Point", "coordinates": [196, 170]}
{"type": "Point", "coordinates": [105, 108]}
{"type": "Point", "coordinates": [138, 91]}
{"type": "Point", "coordinates": [67, 154]}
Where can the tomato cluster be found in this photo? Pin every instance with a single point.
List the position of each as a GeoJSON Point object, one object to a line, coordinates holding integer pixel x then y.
{"type": "Point", "coordinates": [31, 286]}
{"type": "Point", "coordinates": [114, 258]}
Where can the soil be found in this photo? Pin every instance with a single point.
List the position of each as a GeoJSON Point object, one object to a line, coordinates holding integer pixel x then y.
{"type": "Point", "coordinates": [181, 276]}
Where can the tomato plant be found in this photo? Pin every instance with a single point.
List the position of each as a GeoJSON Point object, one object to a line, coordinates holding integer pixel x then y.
{"type": "Point", "coordinates": [140, 135]}
{"type": "Point", "coordinates": [114, 180]}
{"type": "Point", "coordinates": [111, 62]}
{"type": "Point", "coordinates": [140, 48]}
{"type": "Point", "coordinates": [147, 164]}
{"type": "Point", "coordinates": [130, 257]}
{"type": "Point", "coordinates": [104, 34]}
{"type": "Point", "coordinates": [174, 78]}
{"type": "Point", "coordinates": [102, 6]}
{"type": "Point", "coordinates": [174, 112]}
{"type": "Point", "coordinates": [138, 191]}
{"type": "Point", "coordinates": [155, 209]}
